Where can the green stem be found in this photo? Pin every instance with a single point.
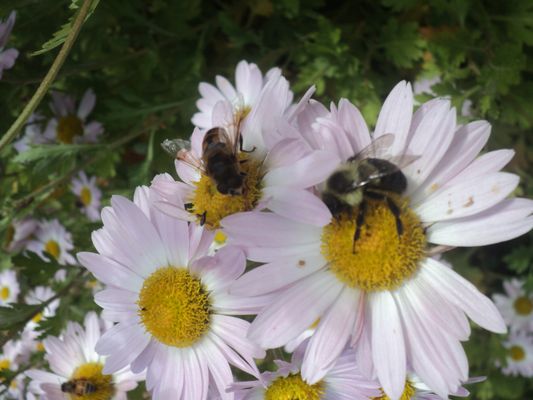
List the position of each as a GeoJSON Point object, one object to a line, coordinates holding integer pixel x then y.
{"type": "Point", "coordinates": [49, 78]}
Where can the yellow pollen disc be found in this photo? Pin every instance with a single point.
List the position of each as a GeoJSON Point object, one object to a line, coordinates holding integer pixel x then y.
{"type": "Point", "coordinates": [90, 375]}
{"type": "Point", "coordinates": [4, 293]}
{"type": "Point", "coordinates": [293, 387]}
{"type": "Point", "coordinates": [408, 393]}
{"type": "Point", "coordinates": [174, 307]}
{"type": "Point", "coordinates": [523, 305]}
{"type": "Point", "coordinates": [68, 127]}
{"type": "Point", "coordinates": [220, 238]}
{"type": "Point", "coordinates": [216, 205]}
{"type": "Point", "coordinates": [4, 364]}
{"type": "Point", "coordinates": [381, 259]}
{"type": "Point", "coordinates": [39, 346]}
{"type": "Point", "coordinates": [37, 318]}
{"type": "Point", "coordinates": [85, 196]}
{"type": "Point", "coordinates": [517, 353]}
{"type": "Point", "coordinates": [52, 248]}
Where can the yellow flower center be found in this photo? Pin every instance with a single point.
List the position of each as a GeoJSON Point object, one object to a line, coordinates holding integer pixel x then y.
{"type": "Point", "coordinates": [39, 346]}
{"type": "Point", "coordinates": [174, 307]}
{"type": "Point", "coordinates": [517, 353]}
{"type": "Point", "coordinates": [293, 387]}
{"type": "Point", "coordinates": [4, 364]}
{"type": "Point", "coordinates": [37, 318]}
{"type": "Point", "coordinates": [89, 383]}
{"type": "Point", "coordinates": [68, 127]}
{"type": "Point", "coordinates": [523, 305]}
{"type": "Point", "coordinates": [381, 259]}
{"type": "Point", "coordinates": [207, 199]}
{"type": "Point", "coordinates": [220, 238]}
{"type": "Point", "coordinates": [408, 393]}
{"type": "Point", "coordinates": [4, 293]}
{"type": "Point", "coordinates": [85, 196]}
{"type": "Point", "coordinates": [52, 248]}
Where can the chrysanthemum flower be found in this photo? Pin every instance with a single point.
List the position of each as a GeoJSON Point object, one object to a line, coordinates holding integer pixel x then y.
{"type": "Point", "coordinates": [516, 306]}
{"type": "Point", "coordinates": [18, 234]}
{"type": "Point", "coordinates": [39, 295]}
{"type": "Point", "coordinates": [342, 382]}
{"type": "Point", "coordinates": [170, 301]}
{"type": "Point", "coordinates": [7, 56]}
{"type": "Point", "coordinates": [71, 125]}
{"type": "Point", "coordinates": [32, 134]}
{"type": "Point", "coordinates": [88, 195]}
{"type": "Point", "coordinates": [53, 238]}
{"type": "Point", "coordinates": [385, 292]}
{"type": "Point", "coordinates": [72, 360]}
{"type": "Point", "coordinates": [9, 287]}
{"type": "Point", "coordinates": [519, 358]}
{"type": "Point", "coordinates": [249, 82]}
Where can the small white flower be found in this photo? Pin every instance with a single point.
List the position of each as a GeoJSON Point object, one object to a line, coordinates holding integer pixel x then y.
{"type": "Point", "coordinates": [9, 287]}
{"type": "Point", "coordinates": [516, 306]}
{"type": "Point", "coordinates": [53, 238]}
{"type": "Point", "coordinates": [520, 354]}
{"type": "Point", "coordinates": [19, 233]}
{"type": "Point", "coordinates": [32, 134]}
{"type": "Point", "coordinates": [88, 195]}
{"type": "Point", "coordinates": [7, 56]}
{"type": "Point", "coordinates": [39, 295]}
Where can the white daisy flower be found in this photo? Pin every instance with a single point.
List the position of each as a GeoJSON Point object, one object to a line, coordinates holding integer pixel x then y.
{"type": "Point", "coordinates": [516, 306]}
{"type": "Point", "coordinates": [368, 274]}
{"type": "Point", "coordinates": [39, 295]}
{"type": "Point", "coordinates": [170, 301]}
{"type": "Point", "coordinates": [519, 358]}
{"type": "Point", "coordinates": [9, 287]}
{"type": "Point", "coordinates": [18, 234]}
{"type": "Point", "coordinates": [9, 358]}
{"type": "Point", "coordinates": [342, 382]}
{"type": "Point", "coordinates": [88, 195]}
{"type": "Point", "coordinates": [249, 82]}
{"type": "Point", "coordinates": [70, 125]}
{"type": "Point", "coordinates": [77, 370]}
{"type": "Point", "coordinates": [32, 134]}
{"type": "Point", "coordinates": [53, 238]}
{"type": "Point", "coordinates": [7, 56]}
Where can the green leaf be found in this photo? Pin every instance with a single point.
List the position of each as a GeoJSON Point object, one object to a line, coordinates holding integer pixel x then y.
{"type": "Point", "coordinates": [402, 43]}
{"type": "Point", "coordinates": [17, 314]}
{"type": "Point", "coordinates": [47, 151]}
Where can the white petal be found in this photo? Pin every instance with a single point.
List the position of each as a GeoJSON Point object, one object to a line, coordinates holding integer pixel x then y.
{"type": "Point", "coordinates": [87, 104]}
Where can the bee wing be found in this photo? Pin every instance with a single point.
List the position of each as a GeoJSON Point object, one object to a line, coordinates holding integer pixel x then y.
{"type": "Point", "coordinates": [181, 149]}
{"type": "Point", "coordinates": [403, 160]}
{"type": "Point", "coordinates": [377, 149]}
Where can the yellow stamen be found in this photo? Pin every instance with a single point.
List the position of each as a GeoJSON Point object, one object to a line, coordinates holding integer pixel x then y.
{"type": "Point", "coordinates": [91, 375]}
{"type": "Point", "coordinates": [39, 346]}
{"type": "Point", "coordinates": [517, 353]}
{"type": "Point", "coordinates": [293, 387]}
{"type": "Point", "coordinates": [207, 199]}
{"type": "Point", "coordinates": [174, 307]}
{"type": "Point", "coordinates": [37, 318]}
{"type": "Point", "coordinates": [408, 393]}
{"type": "Point", "coordinates": [4, 293]}
{"type": "Point", "coordinates": [382, 259]}
{"type": "Point", "coordinates": [85, 196]}
{"type": "Point", "coordinates": [4, 364]}
{"type": "Point", "coordinates": [68, 127]}
{"type": "Point", "coordinates": [523, 305]}
{"type": "Point", "coordinates": [52, 248]}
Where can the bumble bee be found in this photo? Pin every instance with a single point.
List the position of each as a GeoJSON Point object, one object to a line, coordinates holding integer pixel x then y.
{"type": "Point", "coordinates": [78, 387]}
{"type": "Point", "coordinates": [367, 175]}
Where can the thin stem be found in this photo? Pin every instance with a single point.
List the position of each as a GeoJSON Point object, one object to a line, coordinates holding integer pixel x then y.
{"type": "Point", "coordinates": [49, 78]}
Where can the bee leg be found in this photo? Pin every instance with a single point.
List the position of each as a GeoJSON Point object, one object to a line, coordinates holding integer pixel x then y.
{"type": "Point", "coordinates": [242, 149]}
{"type": "Point", "coordinates": [243, 161]}
{"type": "Point", "coordinates": [203, 218]}
{"type": "Point", "coordinates": [188, 206]}
{"type": "Point", "coordinates": [395, 210]}
{"type": "Point", "coordinates": [359, 220]}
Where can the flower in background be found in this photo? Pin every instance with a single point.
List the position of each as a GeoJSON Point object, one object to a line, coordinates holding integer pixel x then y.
{"type": "Point", "coordinates": [88, 195]}
{"type": "Point", "coordinates": [19, 233]}
{"type": "Point", "coordinates": [52, 237]}
{"type": "Point", "coordinates": [170, 301]}
{"type": "Point", "coordinates": [516, 306]}
{"type": "Point", "coordinates": [9, 287]}
{"type": "Point", "coordinates": [385, 293]}
{"type": "Point", "coordinates": [72, 359]}
{"type": "Point", "coordinates": [32, 134]}
{"type": "Point", "coordinates": [39, 295]}
{"type": "Point", "coordinates": [70, 125]}
{"type": "Point", "coordinates": [7, 56]}
{"type": "Point", "coordinates": [519, 357]}
{"type": "Point", "coordinates": [342, 382]}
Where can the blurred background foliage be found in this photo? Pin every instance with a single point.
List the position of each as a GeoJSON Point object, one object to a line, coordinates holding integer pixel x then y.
{"type": "Point", "coordinates": [145, 58]}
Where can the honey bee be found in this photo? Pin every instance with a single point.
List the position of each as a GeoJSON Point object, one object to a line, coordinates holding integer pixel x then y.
{"type": "Point", "coordinates": [367, 175]}
{"type": "Point", "coordinates": [79, 387]}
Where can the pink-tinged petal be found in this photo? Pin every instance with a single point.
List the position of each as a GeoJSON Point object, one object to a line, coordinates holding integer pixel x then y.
{"type": "Point", "coordinates": [110, 272]}
{"type": "Point", "coordinates": [174, 235]}
{"type": "Point", "coordinates": [248, 81]}
{"type": "Point", "coordinates": [296, 109]}
{"type": "Point", "coordinates": [61, 357]}
{"type": "Point", "coordinates": [202, 120]}
{"type": "Point", "coordinates": [218, 367]}
{"type": "Point", "coordinates": [467, 197]}
{"type": "Point", "coordinates": [331, 337]}
{"type": "Point", "coordinates": [86, 104]}
{"type": "Point", "coordinates": [395, 116]}
{"type": "Point", "coordinates": [227, 304]}
{"type": "Point", "coordinates": [7, 59]}
{"type": "Point", "coordinates": [209, 91]}
{"type": "Point", "coordinates": [354, 124]}
{"type": "Point", "coordinates": [388, 345]}
{"type": "Point", "coordinates": [199, 241]}
{"type": "Point", "coordinates": [363, 352]}
{"type": "Point", "coordinates": [226, 88]}
{"type": "Point", "coordinates": [187, 173]}
{"type": "Point", "coordinates": [144, 359]}
{"type": "Point", "coordinates": [464, 295]}
{"type": "Point", "coordinates": [430, 142]}
{"type": "Point", "coordinates": [170, 374]}
{"type": "Point", "coordinates": [197, 384]}
{"type": "Point", "coordinates": [305, 172]}
{"type": "Point", "coordinates": [466, 145]}
{"type": "Point", "coordinates": [295, 310]}
{"type": "Point", "coordinates": [275, 230]}
{"type": "Point", "coordinates": [246, 364]}
{"type": "Point", "coordinates": [285, 152]}
{"type": "Point", "coordinates": [297, 204]}
{"type": "Point", "coordinates": [505, 221]}
{"type": "Point", "coordinates": [228, 264]}
{"type": "Point", "coordinates": [233, 331]}
{"type": "Point", "coordinates": [117, 299]}
{"type": "Point", "coordinates": [273, 276]}
{"type": "Point", "coordinates": [486, 164]}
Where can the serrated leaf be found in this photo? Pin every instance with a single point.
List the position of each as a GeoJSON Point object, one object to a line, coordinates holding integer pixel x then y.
{"type": "Point", "coordinates": [47, 151]}
{"type": "Point", "coordinates": [17, 314]}
{"type": "Point", "coordinates": [402, 43]}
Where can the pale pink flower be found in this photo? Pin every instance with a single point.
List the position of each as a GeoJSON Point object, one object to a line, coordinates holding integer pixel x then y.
{"type": "Point", "coordinates": [7, 56]}
{"type": "Point", "coordinates": [32, 134]}
{"type": "Point", "coordinates": [21, 233]}
{"type": "Point", "coordinates": [89, 195]}
{"type": "Point", "coordinates": [516, 305]}
{"type": "Point", "coordinates": [9, 287]}
{"type": "Point", "coordinates": [53, 238]}
{"type": "Point", "coordinates": [519, 358]}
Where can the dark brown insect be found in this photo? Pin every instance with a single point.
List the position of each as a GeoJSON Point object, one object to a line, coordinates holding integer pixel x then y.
{"type": "Point", "coordinates": [78, 387]}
